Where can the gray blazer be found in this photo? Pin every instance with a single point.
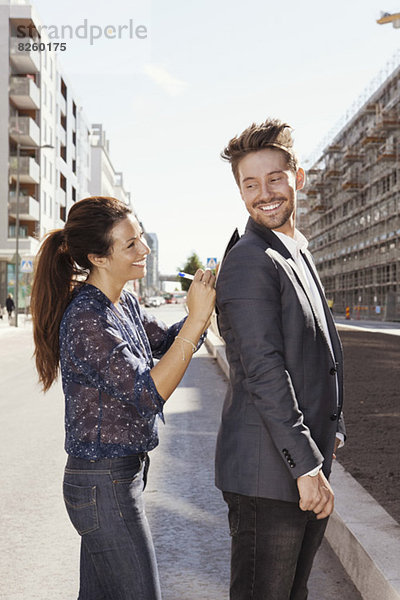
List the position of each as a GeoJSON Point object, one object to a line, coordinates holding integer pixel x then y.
{"type": "Point", "coordinates": [281, 410]}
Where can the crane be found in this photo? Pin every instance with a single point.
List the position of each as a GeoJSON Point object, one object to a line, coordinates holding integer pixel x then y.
{"type": "Point", "coordinates": [390, 18]}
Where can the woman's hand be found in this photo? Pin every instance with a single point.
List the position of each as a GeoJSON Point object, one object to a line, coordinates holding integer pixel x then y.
{"type": "Point", "coordinates": [168, 372]}
{"type": "Point", "coordinates": [201, 298]}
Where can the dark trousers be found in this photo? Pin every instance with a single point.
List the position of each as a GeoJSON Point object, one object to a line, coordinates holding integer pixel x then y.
{"type": "Point", "coordinates": [273, 547]}
{"type": "Point", "coordinates": [105, 504]}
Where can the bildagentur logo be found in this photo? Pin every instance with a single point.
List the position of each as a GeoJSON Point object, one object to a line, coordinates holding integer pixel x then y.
{"type": "Point", "coordinates": [85, 31]}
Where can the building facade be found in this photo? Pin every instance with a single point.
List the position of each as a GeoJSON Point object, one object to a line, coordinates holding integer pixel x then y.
{"type": "Point", "coordinates": [44, 145]}
{"type": "Point", "coordinates": [152, 274]}
{"type": "Point", "coordinates": [353, 219]}
{"type": "Point", "coordinates": [49, 156]}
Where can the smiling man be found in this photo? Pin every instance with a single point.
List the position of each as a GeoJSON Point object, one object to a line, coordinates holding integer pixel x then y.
{"type": "Point", "coordinates": [281, 420]}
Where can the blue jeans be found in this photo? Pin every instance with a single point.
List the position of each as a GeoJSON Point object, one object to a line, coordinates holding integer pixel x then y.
{"type": "Point", "coordinates": [105, 504]}
{"type": "Point", "coordinates": [273, 547]}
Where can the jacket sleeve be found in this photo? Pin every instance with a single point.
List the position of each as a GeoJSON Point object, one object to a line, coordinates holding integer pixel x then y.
{"type": "Point", "coordinates": [252, 306]}
{"type": "Point", "coordinates": [95, 354]}
{"type": "Point", "coordinates": [160, 336]}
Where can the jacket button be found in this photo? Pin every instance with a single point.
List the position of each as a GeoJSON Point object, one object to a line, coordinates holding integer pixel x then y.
{"type": "Point", "coordinates": [332, 371]}
{"type": "Point", "coordinates": [333, 417]}
{"type": "Point", "coordinates": [285, 452]}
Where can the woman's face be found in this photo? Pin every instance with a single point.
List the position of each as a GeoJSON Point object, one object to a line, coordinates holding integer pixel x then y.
{"type": "Point", "coordinates": [129, 251]}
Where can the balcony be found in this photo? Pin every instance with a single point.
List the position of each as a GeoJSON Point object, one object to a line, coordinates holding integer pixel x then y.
{"type": "Point", "coordinates": [24, 93]}
{"type": "Point", "coordinates": [333, 172]}
{"type": "Point", "coordinates": [387, 153]}
{"type": "Point", "coordinates": [27, 231]}
{"type": "Point", "coordinates": [387, 121]}
{"type": "Point", "coordinates": [25, 131]}
{"type": "Point", "coordinates": [334, 148]}
{"type": "Point", "coordinates": [28, 208]}
{"type": "Point", "coordinates": [311, 192]}
{"type": "Point", "coordinates": [372, 137]}
{"type": "Point", "coordinates": [370, 108]}
{"type": "Point", "coordinates": [29, 170]}
{"type": "Point", "coordinates": [318, 204]}
{"type": "Point", "coordinates": [24, 61]}
{"type": "Point", "coordinates": [352, 155]}
{"type": "Point", "coordinates": [352, 183]}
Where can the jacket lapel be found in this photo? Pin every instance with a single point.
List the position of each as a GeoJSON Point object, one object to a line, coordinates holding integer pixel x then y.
{"type": "Point", "coordinates": [289, 262]}
{"type": "Point", "coordinates": [337, 346]}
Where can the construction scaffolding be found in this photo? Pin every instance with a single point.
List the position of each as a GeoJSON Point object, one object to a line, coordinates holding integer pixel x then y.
{"type": "Point", "coordinates": [353, 221]}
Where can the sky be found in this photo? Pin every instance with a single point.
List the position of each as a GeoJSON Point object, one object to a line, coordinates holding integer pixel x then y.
{"type": "Point", "coordinates": [169, 102]}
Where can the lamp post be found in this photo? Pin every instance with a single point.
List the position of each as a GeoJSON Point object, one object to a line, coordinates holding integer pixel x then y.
{"type": "Point", "coordinates": [17, 223]}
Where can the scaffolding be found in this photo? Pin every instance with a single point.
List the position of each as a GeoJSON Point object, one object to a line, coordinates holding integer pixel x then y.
{"type": "Point", "coordinates": [354, 207]}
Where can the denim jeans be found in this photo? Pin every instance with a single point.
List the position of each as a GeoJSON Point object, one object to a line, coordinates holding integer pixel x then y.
{"type": "Point", "coordinates": [273, 547]}
{"type": "Point", "coordinates": [105, 504]}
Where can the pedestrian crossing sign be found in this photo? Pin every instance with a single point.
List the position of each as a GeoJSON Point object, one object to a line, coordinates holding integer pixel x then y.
{"type": "Point", "coordinates": [26, 266]}
{"type": "Point", "coordinates": [211, 263]}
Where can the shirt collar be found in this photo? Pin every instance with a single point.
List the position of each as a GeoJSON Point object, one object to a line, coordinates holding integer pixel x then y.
{"type": "Point", "coordinates": [293, 244]}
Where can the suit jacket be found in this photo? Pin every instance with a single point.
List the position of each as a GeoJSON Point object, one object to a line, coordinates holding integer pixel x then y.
{"type": "Point", "coordinates": [281, 410]}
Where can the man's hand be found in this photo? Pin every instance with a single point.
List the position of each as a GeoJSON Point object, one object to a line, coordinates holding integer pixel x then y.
{"type": "Point", "coordinates": [338, 441]}
{"type": "Point", "coordinates": [316, 494]}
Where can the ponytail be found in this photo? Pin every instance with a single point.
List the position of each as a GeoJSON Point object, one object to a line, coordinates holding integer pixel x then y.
{"type": "Point", "coordinates": [51, 292]}
{"type": "Point", "coordinates": [61, 264]}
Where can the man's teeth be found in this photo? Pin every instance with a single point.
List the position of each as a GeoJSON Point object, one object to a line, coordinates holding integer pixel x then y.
{"type": "Point", "coordinates": [268, 207]}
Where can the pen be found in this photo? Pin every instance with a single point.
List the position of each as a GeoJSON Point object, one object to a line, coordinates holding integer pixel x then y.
{"type": "Point", "coordinates": [185, 275]}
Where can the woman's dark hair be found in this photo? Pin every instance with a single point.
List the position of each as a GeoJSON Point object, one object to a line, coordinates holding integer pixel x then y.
{"type": "Point", "coordinates": [61, 264]}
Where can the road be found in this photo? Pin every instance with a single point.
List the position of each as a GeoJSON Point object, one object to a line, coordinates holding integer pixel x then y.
{"type": "Point", "coordinates": [40, 549]}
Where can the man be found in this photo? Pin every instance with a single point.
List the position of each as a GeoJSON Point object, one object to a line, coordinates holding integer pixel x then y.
{"type": "Point", "coordinates": [282, 411]}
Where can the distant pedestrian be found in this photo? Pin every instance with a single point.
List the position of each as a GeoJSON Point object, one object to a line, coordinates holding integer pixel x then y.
{"type": "Point", "coordinates": [114, 395]}
{"type": "Point", "coordinates": [10, 307]}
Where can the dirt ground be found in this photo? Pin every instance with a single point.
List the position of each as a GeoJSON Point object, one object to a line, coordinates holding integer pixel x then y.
{"type": "Point", "coordinates": [372, 414]}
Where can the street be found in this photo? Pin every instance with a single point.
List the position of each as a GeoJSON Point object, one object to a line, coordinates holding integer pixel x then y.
{"type": "Point", "coordinates": [40, 549]}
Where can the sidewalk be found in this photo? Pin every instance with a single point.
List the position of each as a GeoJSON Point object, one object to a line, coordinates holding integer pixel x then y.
{"type": "Point", "coordinates": [372, 326]}
{"type": "Point", "coordinates": [361, 533]}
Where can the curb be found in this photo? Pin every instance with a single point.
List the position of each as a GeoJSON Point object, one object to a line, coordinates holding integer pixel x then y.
{"type": "Point", "coordinates": [365, 538]}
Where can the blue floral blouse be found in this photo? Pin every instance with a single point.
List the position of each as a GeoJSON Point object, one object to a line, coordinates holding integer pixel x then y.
{"type": "Point", "coordinates": [111, 403]}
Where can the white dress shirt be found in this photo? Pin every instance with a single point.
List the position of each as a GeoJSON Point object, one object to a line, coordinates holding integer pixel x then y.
{"type": "Point", "coordinates": [296, 245]}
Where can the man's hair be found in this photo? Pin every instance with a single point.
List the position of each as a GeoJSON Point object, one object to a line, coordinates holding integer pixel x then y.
{"type": "Point", "coordinates": [270, 134]}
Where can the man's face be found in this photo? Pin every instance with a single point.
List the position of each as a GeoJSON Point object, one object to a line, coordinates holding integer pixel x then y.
{"type": "Point", "coordinates": [268, 189]}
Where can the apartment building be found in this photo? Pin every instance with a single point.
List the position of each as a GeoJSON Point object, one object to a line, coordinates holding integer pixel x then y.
{"type": "Point", "coordinates": [353, 220]}
{"type": "Point", "coordinates": [104, 179]}
{"type": "Point", "coordinates": [49, 155]}
{"type": "Point", "coordinates": [152, 275]}
{"type": "Point", "coordinates": [44, 144]}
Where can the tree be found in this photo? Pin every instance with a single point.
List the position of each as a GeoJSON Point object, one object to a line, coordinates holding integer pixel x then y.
{"type": "Point", "coordinates": [191, 265]}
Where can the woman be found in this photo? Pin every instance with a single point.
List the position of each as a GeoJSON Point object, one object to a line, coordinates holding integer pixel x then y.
{"type": "Point", "coordinates": [114, 394]}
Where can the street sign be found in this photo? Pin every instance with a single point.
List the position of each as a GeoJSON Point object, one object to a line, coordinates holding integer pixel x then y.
{"type": "Point", "coordinates": [211, 263]}
{"type": "Point", "coordinates": [26, 266]}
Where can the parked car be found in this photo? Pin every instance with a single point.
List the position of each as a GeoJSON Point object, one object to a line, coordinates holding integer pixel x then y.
{"type": "Point", "coordinates": [154, 301]}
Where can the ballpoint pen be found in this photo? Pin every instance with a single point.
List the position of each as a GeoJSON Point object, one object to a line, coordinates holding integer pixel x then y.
{"type": "Point", "coordinates": [185, 275]}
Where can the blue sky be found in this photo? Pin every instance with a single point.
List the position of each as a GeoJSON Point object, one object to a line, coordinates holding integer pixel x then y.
{"type": "Point", "coordinates": [170, 102]}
